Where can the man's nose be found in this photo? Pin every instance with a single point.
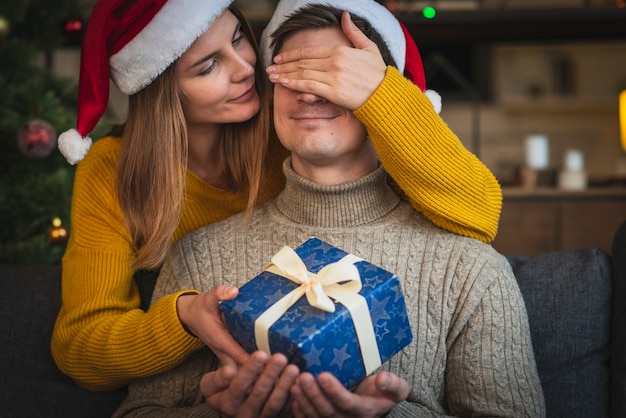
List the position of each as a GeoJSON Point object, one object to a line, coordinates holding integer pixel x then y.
{"type": "Point", "coordinates": [310, 98]}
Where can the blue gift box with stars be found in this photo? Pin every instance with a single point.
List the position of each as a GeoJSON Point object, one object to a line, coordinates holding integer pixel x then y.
{"type": "Point", "coordinates": [316, 340]}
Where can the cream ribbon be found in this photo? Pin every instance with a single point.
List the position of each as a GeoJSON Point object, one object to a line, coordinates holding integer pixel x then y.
{"type": "Point", "coordinates": [318, 289]}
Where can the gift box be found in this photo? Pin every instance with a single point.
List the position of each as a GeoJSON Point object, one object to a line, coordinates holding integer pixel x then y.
{"type": "Point", "coordinates": [325, 309]}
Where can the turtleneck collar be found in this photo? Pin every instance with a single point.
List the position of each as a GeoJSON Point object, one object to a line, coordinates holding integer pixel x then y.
{"type": "Point", "coordinates": [348, 204]}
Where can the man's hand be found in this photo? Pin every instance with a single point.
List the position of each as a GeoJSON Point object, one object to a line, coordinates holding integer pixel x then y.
{"type": "Point", "coordinates": [202, 317]}
{"type": "Point", "coordinates": [327, 397]}
{"type": "Point", "coordinates": [259, 388]}
{"type": "Point", "coordinates": [342, 75]}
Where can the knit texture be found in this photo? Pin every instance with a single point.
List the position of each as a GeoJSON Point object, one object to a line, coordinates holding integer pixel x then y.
{"type": "Point", "coordinates": [452, 187]}
{"type": "Point", "coordinates": [472, 353]}
{"type": "Point", "coordinates": [101, 338]}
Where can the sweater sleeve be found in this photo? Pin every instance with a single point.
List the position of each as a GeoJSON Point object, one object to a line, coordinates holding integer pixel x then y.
{"type": "Point", "coordinates": [101, 338]}
{"type": "Point", "coordinates": [174, 393]}
{"type": "Point", "coordinates": [441, 178]}
{"type": "Point", "coordinates": [491, 368]}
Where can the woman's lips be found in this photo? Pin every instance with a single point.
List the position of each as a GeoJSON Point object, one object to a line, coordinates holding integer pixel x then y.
{"type": "Point", "coordinates": [249, 94]}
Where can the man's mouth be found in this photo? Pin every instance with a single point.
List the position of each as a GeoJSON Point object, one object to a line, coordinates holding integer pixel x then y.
{"type": "Point", "coordinates": [313, 116]}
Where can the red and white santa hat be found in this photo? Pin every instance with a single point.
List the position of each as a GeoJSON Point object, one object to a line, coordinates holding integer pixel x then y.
{"type": "Point", "coordinates": [131, 42]}
{"type": "Point", "coordinates": [398, 39]}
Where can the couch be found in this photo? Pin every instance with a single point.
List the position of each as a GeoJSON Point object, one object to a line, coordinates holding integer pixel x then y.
{"type": "Point", "coordinates": [571, 297]}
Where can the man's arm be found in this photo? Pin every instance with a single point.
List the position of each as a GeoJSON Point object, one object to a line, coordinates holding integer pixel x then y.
{"type": "Point", "coordinates": [198, 313]}
{"type": "Point", "coordinates": [260, 387]}
{"type": "Point", "coordinates": [493, 347]}
{"type": "Point", "coordinates": [163, 394]}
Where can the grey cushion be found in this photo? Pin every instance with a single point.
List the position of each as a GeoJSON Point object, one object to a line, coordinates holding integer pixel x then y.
{"type": "Point", "coordinates": [30, 383]}
{"type": "Point", "coordinates": [618, 344]}
{"type": "Point", "coordinates": [568, 298]}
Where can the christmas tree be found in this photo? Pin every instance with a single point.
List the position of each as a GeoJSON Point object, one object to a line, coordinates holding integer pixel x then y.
{"type": "Point", "coordinates": [35, 106]}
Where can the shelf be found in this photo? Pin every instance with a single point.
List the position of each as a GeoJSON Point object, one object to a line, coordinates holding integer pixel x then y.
{"type": "Point", "coordinates": [468, 27]}
{"type": "Point", "coordinates": [544, 220]}
{"type": "Point", "coordinates": [558, 105]}
{"type": "Point", "coordinates": [552, 193]}
{"type": "Point", "coordinates": [518, 25]}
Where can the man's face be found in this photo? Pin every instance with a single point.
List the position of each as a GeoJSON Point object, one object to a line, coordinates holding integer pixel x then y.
{"type": "Point", "coordinates": [318, 132]}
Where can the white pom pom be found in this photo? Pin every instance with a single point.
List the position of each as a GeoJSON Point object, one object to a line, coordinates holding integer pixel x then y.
{"type": "Point", "coordinates": [435, 99]}
{"type": "Point", "coordinates": [73, 146]}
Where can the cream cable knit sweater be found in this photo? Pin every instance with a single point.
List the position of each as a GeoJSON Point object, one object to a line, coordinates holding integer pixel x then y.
{"type": "Point", "coordinates": [471, 355]}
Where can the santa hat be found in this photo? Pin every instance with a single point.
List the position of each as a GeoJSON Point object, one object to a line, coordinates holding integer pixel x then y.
{"type": "Point", "coordinates": [397, 38]}
{"type": "Point", "coordinates": [131, 42]}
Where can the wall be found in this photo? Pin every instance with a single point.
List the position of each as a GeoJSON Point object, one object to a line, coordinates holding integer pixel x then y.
{"type": "Point", "coordinates": [529, 98]}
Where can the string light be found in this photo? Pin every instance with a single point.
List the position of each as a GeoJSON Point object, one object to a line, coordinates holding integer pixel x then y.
{"type": "Point", "coordinates": [429, 12]}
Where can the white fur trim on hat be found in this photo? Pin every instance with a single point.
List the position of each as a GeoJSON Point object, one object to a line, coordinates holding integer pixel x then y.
{"type": "Point", "coordinates": [170, 33]}
{"type": "Point", "coordinates": [73, 146]}
{"type": "Point", "coordinates": [435, 99]}
{"type": "Point", "coordinates": [381, 19]}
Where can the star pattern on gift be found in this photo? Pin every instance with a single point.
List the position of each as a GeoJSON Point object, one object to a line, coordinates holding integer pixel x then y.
{"type": "Point", "coordinates": [276, 296]}
{"type": "Point", "coordinates": [264, 282]}
{"type": "Point", "coordinates": [340, 356]}
{"type": "Point", "coordinates": [313, 263]}
{"type": "Point", "coordinates": [371, 273]}
{"type": "Point", "coordinates": [313, 356]}
{"type": "Point", "coordinates": [402, 335]}
{"type": "Point", "coordinates": [311, 312]}
{"type": "Point", "coordinates": [398, 292]}
{"type": "Point", "coordinates": [292, 315]}
{"type": "Point", "coordinates": [381, 329]}
{"type": "Point", "coordinates": [316, 254]}
{"type": "Point", "coordinates": [378, 309]}
{"type": "Point", "coordinates": [397, 309]}
{"type": "Point", "coordinates": [337, 328]}
{"type": "Point", "coordinates": [286, 329]}
{"type": "Point", "coordinates": [241, 307]}
{"type": "Point", "coordinates": [309, 331]}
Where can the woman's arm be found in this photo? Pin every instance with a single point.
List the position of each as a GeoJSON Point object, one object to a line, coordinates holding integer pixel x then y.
{"type": "Point", "coordinates": [101, 338]}
{"type": "Point", "coordinates": [440, 177]}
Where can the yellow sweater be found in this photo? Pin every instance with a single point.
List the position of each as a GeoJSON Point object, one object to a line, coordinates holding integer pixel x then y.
{"type": "Point", "coordinates": [103, 340]}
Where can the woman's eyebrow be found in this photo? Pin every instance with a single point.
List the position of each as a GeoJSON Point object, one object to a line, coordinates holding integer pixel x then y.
{"type": "Point", "coordinates": [212, 54]}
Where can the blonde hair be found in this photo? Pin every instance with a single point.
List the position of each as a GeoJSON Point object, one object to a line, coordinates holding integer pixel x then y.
{"type": "Point", "coordinates": [151, 169]}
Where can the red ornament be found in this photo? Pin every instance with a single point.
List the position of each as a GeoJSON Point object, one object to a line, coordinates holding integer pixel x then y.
{"type": "Point", "coordinates": [73, 29]}
{"type": "Point", "coordinates": [36, 139]}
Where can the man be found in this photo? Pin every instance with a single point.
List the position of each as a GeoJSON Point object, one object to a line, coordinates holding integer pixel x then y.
{"type": "Point", "coordinates": [471, 354]}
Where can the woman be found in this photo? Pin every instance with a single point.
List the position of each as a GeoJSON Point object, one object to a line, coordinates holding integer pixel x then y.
{"type": "Point", "coordinates": [197, 129]}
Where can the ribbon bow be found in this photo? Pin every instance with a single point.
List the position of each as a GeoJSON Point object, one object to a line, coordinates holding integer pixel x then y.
{"type": "Point", "coordinates": [319, 288]}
